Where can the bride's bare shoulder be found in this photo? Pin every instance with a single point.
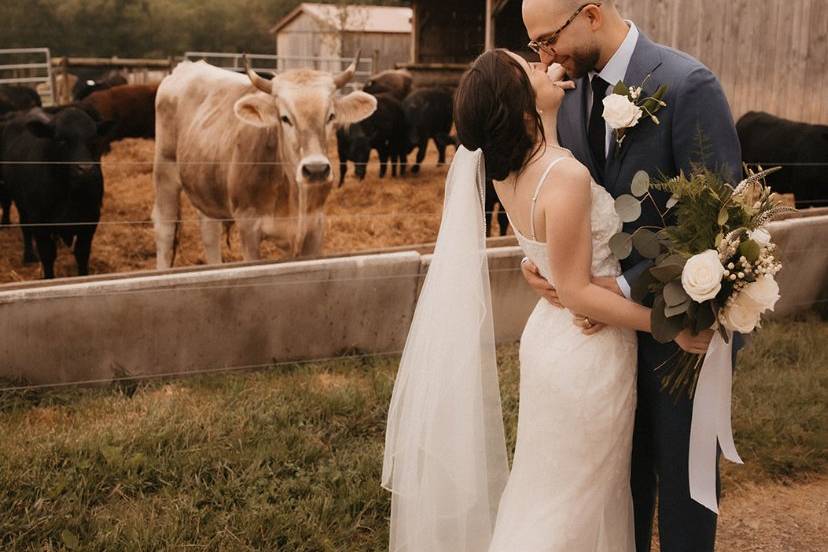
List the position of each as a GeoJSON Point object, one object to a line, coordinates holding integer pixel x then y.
{"type": "Point", "coordinates": [569, 175]}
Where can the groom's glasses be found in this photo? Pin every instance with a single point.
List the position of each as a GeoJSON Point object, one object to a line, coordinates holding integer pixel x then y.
{"type": "Point", "coordinates": [547, 45]}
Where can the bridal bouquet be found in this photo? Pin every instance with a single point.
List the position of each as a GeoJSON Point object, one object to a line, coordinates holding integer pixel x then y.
{"type": "Point", "coordinates": [713, 268]}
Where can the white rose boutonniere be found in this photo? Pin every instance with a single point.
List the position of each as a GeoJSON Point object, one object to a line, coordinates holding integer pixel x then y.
{"type": "Point", "coordinates": [620, 112]}
{"type": "Point", "coordinates": [624, 108]}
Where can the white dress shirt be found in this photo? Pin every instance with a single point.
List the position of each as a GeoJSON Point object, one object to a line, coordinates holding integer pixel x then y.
{"type": "Point", "coordinates": [614, 71]}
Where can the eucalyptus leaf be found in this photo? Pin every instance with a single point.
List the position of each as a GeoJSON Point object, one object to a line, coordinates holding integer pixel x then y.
{"type": "Point", "coordinates": [672, 202]}
{"type": "Point", "coordinates": [674, 259]}
{"type": "Point", "coordinates": [646, 243]}
{"type": "Point", "coordinates": [723, 216]}
{"type": "Point", "coordinates": [621, 245]}
{"type": "Point", "coordinates": [666, 272]}
{"type": "Point", "coordinates": [664, 329]}
{"type": "Point", "coordinates": [640, 184]}
{"type": "Point", "coordinates": [674, 294]}
{"type": "Point", "coordinates": [704, 318]}
{"type": "Point", "coordinates": [628, 208]}
{"type": "Point", "coordinates": [670, 312]}
{"type": "Point", "coordinates": [640, 287]}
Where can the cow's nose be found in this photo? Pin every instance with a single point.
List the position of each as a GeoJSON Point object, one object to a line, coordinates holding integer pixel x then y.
{"type": "Point", "coordinates": [316, 171]}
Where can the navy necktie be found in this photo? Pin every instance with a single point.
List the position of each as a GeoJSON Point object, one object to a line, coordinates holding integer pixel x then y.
{"type": "Point", "coordinates": [597, 132]}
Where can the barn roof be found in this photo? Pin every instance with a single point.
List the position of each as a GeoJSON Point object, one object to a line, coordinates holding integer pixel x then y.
{"type": "Point", "coordinates": [351, 18]}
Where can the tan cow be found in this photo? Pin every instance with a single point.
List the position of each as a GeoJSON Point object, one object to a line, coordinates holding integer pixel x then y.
{"type": "Point", "coordinates": [249, 151]}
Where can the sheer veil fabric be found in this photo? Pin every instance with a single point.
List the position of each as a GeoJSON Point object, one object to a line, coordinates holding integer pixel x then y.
{"type": "Point", "coordinates": [445, 459]}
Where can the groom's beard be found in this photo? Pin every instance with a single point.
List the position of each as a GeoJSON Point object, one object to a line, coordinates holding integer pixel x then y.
{"type": "Point", "coordinates": [581, 63]}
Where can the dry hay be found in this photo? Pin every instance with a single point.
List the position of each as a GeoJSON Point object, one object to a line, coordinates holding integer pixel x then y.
{"type": "Point", "coordinates": [363, 215]}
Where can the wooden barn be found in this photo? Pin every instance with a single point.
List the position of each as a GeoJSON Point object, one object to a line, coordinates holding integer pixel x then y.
{"type": "Point", "coordinates": [338, 30]}
{"type": "Point", "coordinates": [447, 36]}
{"type": "Point", "coordinates": [770, 55]}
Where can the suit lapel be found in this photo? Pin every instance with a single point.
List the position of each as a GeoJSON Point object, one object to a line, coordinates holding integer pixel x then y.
{"type": "Point", "coordinates": [572, 126]}
{"type": "Point", "coordinates": [645, 59]}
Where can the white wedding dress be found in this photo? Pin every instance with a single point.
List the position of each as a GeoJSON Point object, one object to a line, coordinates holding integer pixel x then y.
{"type": "Point", "coordinates": [445, 459]}
{"type": "Point", "coordinates": [569, 490]}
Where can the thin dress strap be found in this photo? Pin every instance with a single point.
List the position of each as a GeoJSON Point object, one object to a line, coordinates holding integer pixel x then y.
{"type": "Point", "coordinates": [537, 193]}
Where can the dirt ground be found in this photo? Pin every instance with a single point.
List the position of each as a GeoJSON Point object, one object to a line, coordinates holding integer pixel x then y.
{"type": "Point", "coordinates": [363, 215]}
{"type": "Point", "coordinates": [774, 518]}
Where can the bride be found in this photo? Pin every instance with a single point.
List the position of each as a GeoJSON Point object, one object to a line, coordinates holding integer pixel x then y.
{"type": "Point", "coordinates": [445, 453]}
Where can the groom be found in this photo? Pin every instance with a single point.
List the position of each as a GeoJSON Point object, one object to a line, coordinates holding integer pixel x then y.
{"type": "Point", "coordinates": [597, 48]}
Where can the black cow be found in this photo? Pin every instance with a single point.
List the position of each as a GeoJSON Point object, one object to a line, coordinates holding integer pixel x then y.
{"type": "Point", "coordinates": [800, 148]}
{"type": "Point", "coordinates": [5, 197]}
{"type": "Point", "coordinates": [383, 131]}
{"type": "Point", "coordinates": [58, 186]}
{"type": "Point", "coordinates": [429, 115]}
{"type": "Point", "coordinates": [17, 98]}
{"type": "Point", "coordinates": [85, 86]}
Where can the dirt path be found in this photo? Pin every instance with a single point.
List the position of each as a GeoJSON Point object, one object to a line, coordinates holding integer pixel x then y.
{"type": "Point", "coordinates": [775, 518]}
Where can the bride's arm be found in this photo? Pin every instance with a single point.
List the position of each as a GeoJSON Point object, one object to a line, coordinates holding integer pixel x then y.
{"type": "Point", "coordinates": [566, 202]}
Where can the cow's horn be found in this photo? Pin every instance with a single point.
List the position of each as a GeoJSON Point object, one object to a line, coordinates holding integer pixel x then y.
{"type": "Point", "coordinates": [345, 76]}
{"type": "Point", "coordinates": [262, 84]}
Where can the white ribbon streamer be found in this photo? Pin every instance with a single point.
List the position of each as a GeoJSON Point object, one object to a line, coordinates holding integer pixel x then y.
{"type": "Point", "coordinates": [711, 421]}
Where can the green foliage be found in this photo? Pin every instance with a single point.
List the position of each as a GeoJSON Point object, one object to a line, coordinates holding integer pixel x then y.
{"type": "Point", "coordinates": [144, 28]}
{"type": "Point", "coordinates": [704, 206]}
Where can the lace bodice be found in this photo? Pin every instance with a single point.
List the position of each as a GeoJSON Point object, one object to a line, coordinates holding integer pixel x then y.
{"type": "Point", "coordinates": [605, 223]}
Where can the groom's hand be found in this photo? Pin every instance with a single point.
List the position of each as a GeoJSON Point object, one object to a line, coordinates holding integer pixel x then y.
{"type": "Point", "coordinates": [695, 344]}
{"type": "Point", "coordinates": [537, 282]}
{"type": "Point", "coordinates": [608, 282]}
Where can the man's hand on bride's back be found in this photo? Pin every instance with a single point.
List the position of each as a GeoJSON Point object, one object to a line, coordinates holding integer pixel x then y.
{"type": "Point", "coordinates": [543, 288]}
{"type": "Point", "coordinates": [537, 282]}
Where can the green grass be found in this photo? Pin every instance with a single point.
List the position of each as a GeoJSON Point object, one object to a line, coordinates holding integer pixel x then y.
{"type": "Point", "coordinates": [289, 459]}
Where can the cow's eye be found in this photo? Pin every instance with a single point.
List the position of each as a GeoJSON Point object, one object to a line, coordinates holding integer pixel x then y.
{"type": "Point", "coordinates": [286, 120]}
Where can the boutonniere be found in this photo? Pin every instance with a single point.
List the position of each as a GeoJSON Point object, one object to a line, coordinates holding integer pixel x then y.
{"type": "Point", "coordinates": [625, 107]}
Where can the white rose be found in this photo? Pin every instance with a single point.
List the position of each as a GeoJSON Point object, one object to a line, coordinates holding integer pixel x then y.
{"type": "Point", "coordinates": [760, 295]}
{"type": "Point", "coordinates": [702, 276]}
{"type": "Point", "coordinates": [740, 315]}
{"type": "Point", "coordinates": [620, 112]}
{"type": "Point", "coordinates": [760, 236]}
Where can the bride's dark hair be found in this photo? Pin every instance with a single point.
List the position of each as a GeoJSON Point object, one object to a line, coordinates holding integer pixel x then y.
{"type": "Point", "coordinates": [495, 111]}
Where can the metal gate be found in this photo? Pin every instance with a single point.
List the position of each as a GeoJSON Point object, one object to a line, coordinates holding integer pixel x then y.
{"type": "Point", "coordinates": [29, 67]}
{"type": "Point", "coordinates": [274, 63]}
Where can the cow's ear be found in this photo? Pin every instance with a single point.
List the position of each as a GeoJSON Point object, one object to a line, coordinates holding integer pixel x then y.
{"type": "Point", "coordinates": [354, 107]}
{"type": "Point", "coordinates": [257, 110]}
{"type": "Point", "coordinates": [41, 128]}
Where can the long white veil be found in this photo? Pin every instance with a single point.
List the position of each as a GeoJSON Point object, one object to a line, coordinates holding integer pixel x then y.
{"type": "Point", "coordinates": [445, 451]}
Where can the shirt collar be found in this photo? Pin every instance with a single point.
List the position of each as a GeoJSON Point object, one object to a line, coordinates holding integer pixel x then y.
{"type": "Point", "coordinates": [616, 68]}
